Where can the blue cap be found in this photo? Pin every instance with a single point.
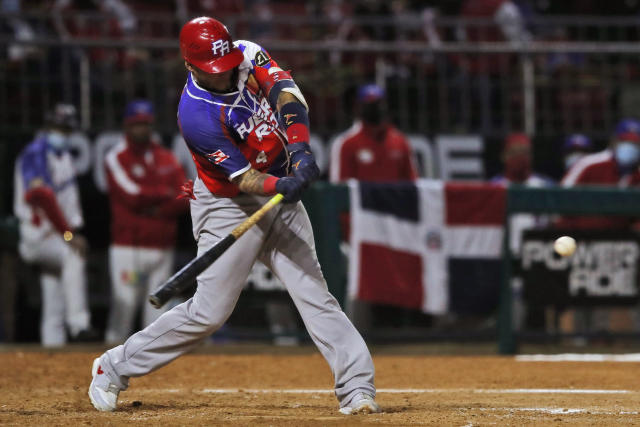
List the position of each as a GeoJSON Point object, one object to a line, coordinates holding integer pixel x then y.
{"type": "Point", "coordinates": [370, 93]}
{"type": "Point", "coordinates": [628, 130]}
{"type": "Point", "coordinates": [139, 110]}
{"type": "Point", "coordinates": [577, 141]}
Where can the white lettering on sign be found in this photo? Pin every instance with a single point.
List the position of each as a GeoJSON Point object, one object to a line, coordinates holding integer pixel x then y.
{"type": "Point", "coordinates": [598, 268]}
{"type": "Point", "coordinates": [220, 45]}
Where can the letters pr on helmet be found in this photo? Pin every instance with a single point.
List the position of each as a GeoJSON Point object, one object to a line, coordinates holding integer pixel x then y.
{"type": "Point", "coordinates": [206, 44]}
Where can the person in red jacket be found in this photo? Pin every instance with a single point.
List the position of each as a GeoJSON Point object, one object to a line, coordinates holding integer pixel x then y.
{"type": "Point", "coordinates": [372, 149]}
{"type": "Point", "coordinates": [144, 180]}
{"type": "Point", "coordinates": [617, 166]}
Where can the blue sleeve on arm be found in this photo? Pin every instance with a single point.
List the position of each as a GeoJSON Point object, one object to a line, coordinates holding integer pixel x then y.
{"type": "Point", "coordinates": [33, 164]}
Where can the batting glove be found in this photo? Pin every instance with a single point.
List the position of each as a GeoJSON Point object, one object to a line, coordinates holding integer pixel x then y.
{"type": "Point", "coordinates": [291, 188]}
{"type": "Point", "coordinates": [303, 164]}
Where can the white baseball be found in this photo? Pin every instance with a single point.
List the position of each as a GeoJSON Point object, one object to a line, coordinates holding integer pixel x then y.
{"type": "Point", "coordinates": [565, 245]}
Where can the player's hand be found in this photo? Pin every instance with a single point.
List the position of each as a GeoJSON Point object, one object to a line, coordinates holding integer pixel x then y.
{"type": "Point", "coordinates": [303, 164]}
{"type": "Point", "coordinates": [291, 188]}
{"type": "Point", "coordinates": [187, 191]}
{"type": "Point", "coordinates": [79, 244]}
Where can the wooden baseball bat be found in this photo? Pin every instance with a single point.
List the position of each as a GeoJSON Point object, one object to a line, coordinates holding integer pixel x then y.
{"type": "Point", "coordinates": [182, 279]}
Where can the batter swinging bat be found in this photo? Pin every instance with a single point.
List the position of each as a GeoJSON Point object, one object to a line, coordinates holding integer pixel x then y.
{"type": "Point", "coordinates": [182, 279]}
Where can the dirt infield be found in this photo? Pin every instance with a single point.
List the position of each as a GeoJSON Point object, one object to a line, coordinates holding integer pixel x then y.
{"type": "Point", "coordinates": [40, 388]}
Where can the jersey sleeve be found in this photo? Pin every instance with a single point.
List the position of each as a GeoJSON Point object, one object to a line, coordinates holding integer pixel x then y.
{"type": "Point", "coordinates": [34, 170]}
{"type": "Point", "coordinates": [212, 140]}
{"type": "Point", "coordinates": [262, 63]}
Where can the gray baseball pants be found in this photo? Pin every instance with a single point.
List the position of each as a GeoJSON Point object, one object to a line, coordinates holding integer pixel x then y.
{"type": "Point", "coordinates": [283, 241]}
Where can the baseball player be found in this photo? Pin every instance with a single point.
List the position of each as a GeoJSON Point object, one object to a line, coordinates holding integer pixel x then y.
{"type": "Point", "coordinates": [143, 179]}
{"type": "Point", "coordinates": [246, 124]}
{"type": "Point", "coordinates": [47, 203]}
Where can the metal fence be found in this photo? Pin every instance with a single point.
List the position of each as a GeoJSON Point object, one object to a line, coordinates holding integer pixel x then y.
{"type": "Point", "coordinates": [548, 88]}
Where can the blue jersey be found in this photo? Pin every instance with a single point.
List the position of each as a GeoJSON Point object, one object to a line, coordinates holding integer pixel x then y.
{"type": "Point", "coordinates": [41, 165]}
{"type": "Point", "coordinates": [229, 133]}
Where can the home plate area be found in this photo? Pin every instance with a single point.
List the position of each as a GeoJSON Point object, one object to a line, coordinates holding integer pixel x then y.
{"type": "Point", "coordinates": [273, 389]}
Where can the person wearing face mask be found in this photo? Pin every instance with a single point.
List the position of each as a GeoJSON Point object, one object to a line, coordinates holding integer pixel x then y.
{"type": "Point", "coordinates": [144, 179]}
{"type": "Point", "coordinates": [575, 147]}
{"type": "Point", "coordinates": [372, 149]}
{"type": "Point", "coordinates": [47, 204]}
{"type": "Point", "coordinates": [615, 166]}
{"type": "Point", "coordinates": [518, 160]}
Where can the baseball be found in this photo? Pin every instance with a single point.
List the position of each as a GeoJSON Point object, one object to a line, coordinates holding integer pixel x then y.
{"type": "Point", "coordinates": [565, 245]}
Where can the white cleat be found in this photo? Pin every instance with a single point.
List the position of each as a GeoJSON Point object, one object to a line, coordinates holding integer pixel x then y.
{"type": "Point", "coordinates": [361, 404]}
{"type": "Point", "coordinates": [103, 393]}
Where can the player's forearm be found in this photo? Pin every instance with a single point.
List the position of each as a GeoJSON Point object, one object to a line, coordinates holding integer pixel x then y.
{"type": "Point", "coordinates": [255, 182]}
{"type": "Point", "coordinates": [44, 198]}
{"type": "Point", "coordinates": [284, 98]}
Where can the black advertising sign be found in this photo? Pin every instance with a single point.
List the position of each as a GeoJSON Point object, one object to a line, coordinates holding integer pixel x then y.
{"type": "Point", "coordinates": [602, 271]}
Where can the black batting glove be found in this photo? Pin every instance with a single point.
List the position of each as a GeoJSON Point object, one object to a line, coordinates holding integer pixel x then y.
{"type": "Point", "coordinates": [291, 188]}
{"type": "Point", "coordinates": [303, 164]}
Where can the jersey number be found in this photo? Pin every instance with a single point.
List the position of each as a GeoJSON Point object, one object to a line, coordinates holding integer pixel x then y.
{"type": "Point", "coordinates": [261, 158]}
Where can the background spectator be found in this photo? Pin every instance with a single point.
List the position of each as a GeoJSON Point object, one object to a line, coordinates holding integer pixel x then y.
{"type": "Point", "coordinates": [47, 203]}
{"type": "Point", "coordinates": [575, 147]}
{"type": "Point", "coordinates": [615, 166]}
{"type": "Point", "coordinates": [517, 158]}
{"type": "Point", "coordinates": [144, 179]}
{"type": "Point", "coordinates": [372, 149]}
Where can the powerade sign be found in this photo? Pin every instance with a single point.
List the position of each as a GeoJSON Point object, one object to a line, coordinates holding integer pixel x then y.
{"type": "Point", "coordinates": [602, 271]}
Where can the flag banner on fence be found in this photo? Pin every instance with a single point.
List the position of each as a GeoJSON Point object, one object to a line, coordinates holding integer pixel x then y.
{"type": "Point", "coordinates": [412, 242]}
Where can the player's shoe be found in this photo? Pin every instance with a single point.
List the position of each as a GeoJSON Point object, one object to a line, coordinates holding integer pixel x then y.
{"type": "Point", "coordinates": [102, 392]}
{"type": "Point", "coordinates": [361, 404]}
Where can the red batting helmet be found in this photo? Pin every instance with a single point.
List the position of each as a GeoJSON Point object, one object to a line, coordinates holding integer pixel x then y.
{"type": "Point", "coordinates": [206, 43]}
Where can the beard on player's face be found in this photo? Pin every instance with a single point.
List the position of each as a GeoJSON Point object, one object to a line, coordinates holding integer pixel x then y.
{"type": "Point", "coordinates": [224, 82]}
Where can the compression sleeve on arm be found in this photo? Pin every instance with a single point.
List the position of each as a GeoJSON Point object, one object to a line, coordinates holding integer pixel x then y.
{"type": "Point", "coordinates": [295, 120]}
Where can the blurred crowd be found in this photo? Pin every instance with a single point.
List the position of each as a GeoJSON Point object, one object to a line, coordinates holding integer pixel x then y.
{"type": "Point", "coordinates": [471, 91]}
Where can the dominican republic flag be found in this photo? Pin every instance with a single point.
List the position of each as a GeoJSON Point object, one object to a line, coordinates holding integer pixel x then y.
{"type": "Point", "coordinates": [426, 245]}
